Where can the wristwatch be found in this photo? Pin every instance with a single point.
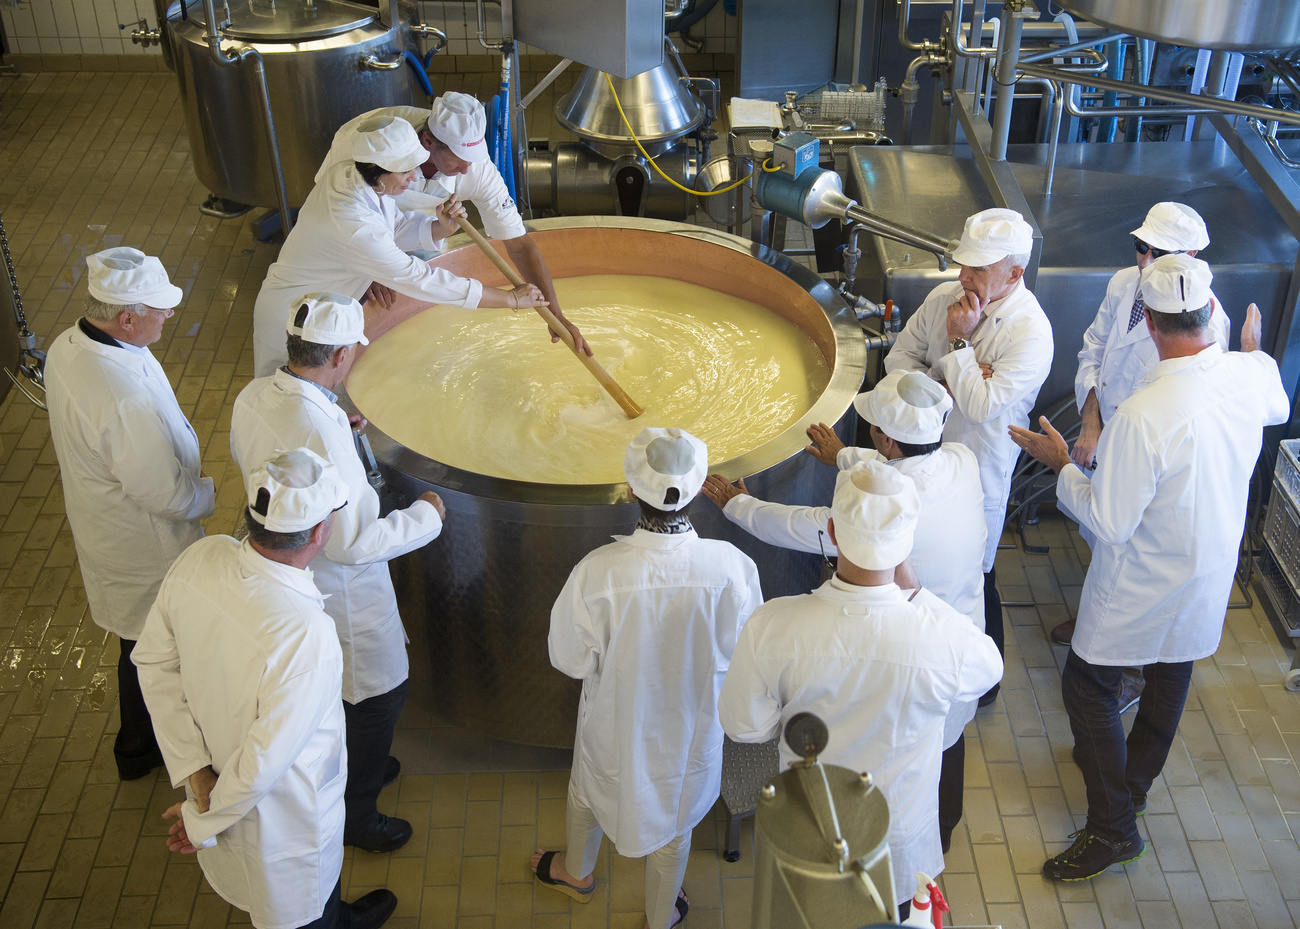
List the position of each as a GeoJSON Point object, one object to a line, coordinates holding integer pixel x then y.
{"type": "Point", "coordinates": [957, 344]}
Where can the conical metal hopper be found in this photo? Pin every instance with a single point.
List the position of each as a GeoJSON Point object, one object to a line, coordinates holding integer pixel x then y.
{"type": "Point", "coordinates": [658, 104]}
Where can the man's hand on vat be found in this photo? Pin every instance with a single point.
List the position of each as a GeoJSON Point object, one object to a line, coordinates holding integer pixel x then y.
{"type": "Point", "coordinates": [1049, 446]}
{"type": "Point", "coordinates": [721, 491]}
{"type": "Point", "coordinates": [430, 497]}
{"type": "Point", "coordinates": [448, 213]}
{"type": "Point", "coordinates": [825, 443]}
{"type": "Point", "coordinates": [356, 421]}
{"type": "Point", "coordinates": [384, 296]}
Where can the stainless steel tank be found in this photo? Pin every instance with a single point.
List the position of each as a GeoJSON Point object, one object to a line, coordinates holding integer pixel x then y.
{"type": "Point", "coordinates": [326, 61]}
{"type": "Point", "coordinates": [1243, 25]}
{"type": "Point", "coordinates": [480, 595]}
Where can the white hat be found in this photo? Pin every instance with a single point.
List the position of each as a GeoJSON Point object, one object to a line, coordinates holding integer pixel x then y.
{"type": "Point", "coordinates": [907, 406]}
{"type": "Point", "coordinates": [991, 235]}
{"type": "Point", "coordinates": [658, 460]}
{"type": "Point", "coordinates": [459, 122]}
{"type": "Point", "coordinates": [124, 276]}
{"type": "Point", "coordinates": [389, 142]}
{"type": "Point", "coordinates": [304, 489]}
{"type": "Point", "coordinates": [1173, 227]}
{"type": "Point", "coordinates": [874, 509]}
{"type": "Point", "coordinates": [332, 319]}
{"type": "Point", "coordinates": [1176, 284]}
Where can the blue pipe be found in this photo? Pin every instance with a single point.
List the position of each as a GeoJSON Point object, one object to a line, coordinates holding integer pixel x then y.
{"type": "Point", "coordinates": [413, 60]}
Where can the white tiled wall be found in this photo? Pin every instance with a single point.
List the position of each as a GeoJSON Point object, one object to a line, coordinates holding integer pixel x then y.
{"type": "Point", "coordinates": [75, 27]}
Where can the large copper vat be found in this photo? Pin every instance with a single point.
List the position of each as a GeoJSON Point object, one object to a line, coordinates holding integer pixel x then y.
{"type": "Point", "coordinates": [477, 601]}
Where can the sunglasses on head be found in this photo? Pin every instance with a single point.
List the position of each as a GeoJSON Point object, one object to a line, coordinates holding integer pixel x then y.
{"type": "Point", "coordinates": [1143, 248]}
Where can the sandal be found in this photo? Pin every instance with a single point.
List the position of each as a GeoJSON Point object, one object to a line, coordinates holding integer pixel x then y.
{"type": "Point", "coordinates": [543, 874]}
{"type": "Point", "coordinates": [682, 905]}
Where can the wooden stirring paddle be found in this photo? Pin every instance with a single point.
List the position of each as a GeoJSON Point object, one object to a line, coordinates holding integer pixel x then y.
{"type": "Point", "coordinates": [620, 395]}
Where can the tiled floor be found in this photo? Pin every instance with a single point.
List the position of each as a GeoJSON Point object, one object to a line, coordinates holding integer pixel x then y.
{"type": "Point", "coordinates": [91, 160]}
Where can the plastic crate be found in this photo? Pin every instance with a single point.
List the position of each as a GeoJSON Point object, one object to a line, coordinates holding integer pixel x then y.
{"type": "Point", "coordinates": [1287, 470]}
{"type": "Point", "coordinates": [1282, 533]}
{"type": "Point", "coordinates": [1280, 594]}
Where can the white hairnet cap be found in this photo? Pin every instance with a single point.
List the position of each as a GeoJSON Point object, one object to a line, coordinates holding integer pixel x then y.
{"type": "Point", "coordinates": [658, 460]}
{"type": "Point", "coordinates": [1173, 227]}
{"type": "Point", "coordinates": [907, 406]}
{"type": "Point", "coordinates": [1176, 284]}
{"type": "Point", "coordinates": [874, 510]}
{"type": "Point", "coordinates": [390, 142]}
{"type": "Point", "coordinates": [458, 121]}
{"type": "Point", "coordinates": [303, 490]}
{"type": "Point", "coordinates": [991, 235]}
{"type": "Point", "coordinates": [332, 319]}
{"type": "Point", "coordinates": [124, 276]}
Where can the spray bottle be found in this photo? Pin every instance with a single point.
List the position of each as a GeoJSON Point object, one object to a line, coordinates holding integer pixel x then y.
{"type": "Point", "coordinates": [928, 906]}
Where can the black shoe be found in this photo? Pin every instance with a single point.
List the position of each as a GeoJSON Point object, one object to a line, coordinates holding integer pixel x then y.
{"type": "Point", "coordinates": [1089, 856]}
{"type": "Point", "coordinates": [988, 698]}
{"type": "Point", "coordinates": [388, 834]}
{"type": "Point", "coordinates": [136, 768]}
{"type": "Point", "coordinates": [392, 768]}
{"type": "Point", "coordinates": [372, 910]}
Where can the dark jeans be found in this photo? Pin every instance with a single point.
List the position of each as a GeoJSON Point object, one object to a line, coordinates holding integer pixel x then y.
{"type": "Point", "coordinates": [952, 784]}
{"type": "Point", "coordinates": [337, 914]}
{"type": "Point", "coordinates": [136, 748]}
{"type": "Point", "coordinates": [1116, 770]}
{"type": "Point", "coordinates": [993, 622]}
{"type": "Point", "coordinates": [370, 737]}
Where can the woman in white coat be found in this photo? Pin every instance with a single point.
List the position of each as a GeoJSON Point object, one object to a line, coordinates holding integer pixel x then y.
{"type": "Point", "coordinates": [352, 238]}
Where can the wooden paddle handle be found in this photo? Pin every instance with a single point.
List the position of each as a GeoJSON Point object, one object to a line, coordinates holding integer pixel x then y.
{"type": "Point", "coordinates": [629, 406]}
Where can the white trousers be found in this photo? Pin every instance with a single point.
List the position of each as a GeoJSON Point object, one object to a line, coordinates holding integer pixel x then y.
{"type": "Point", "coordinates": [665, 867]}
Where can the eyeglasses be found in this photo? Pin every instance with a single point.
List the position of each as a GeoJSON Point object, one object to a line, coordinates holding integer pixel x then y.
{"type": "Point", "coordinates": [1143, 248]}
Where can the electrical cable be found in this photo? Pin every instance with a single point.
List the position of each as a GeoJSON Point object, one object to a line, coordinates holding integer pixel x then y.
{"type": "Point", "coordinates": [659, 171]}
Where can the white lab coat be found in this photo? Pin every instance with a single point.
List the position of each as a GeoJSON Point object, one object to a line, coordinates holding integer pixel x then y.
{"type": "Point", "coordinates": [129, 462]}
{"type": "Point", "coordinates": [1014, 337]}
{"type": "Point", "coordinates": [481, 185]}
{"type": "Point", "coordinates": [1167, 504]}
{"type": "Point", "coordinates": [283, 411]}
{"type": "Point", "coordinates": [346, 237]}
{"type": "Point", "coordinates": [883, 674]}
{"type": "Point", "coordinates": [947, 549]}
{"type": "Point", "coordinates": [1115, 360]}
{"type": "Point", "coordinates": [240, 669]}
{"type": "Point", "coordinates": [648, 624]}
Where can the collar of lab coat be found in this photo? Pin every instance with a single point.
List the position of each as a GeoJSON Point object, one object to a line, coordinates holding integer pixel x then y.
{"type": "Point", "coordinates": [1004, 307]}
{"type": "Point", "coordinates": [841, 591]}
{"type": "Point", "coordinates": [309, 391]}
{"type": "Point", "coordinates": [1206, 356]}
{"type": "Point", "coordinates": [140, 361]}
{"type": "Point", "coordinates": [299, 580]}
{"type": "Point", "coordinates": [657, 541]}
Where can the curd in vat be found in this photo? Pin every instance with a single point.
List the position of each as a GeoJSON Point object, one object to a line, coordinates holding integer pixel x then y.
{"type": "Point", "coordinates": [485, 391]}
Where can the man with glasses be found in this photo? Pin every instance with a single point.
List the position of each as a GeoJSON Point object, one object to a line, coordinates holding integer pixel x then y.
{"type": "Point", "coordinates": [133, 486]}
{"type": "Point", "coordinates": [1118, 353]}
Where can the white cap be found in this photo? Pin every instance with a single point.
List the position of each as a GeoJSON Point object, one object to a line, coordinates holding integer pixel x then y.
{"type": "Point", "coordinates": [459, 122]}
{"type": "Point", "coordinates": [124, 276]}
{"type": "Point", "coordinates": [332, 319]}
{"type": "Point", "coordinates": [390, 142]}
{"type": "Point", "coordinates": [1173, 227]}
{"type": "Point", "coordinates": [304, 489]}
{"type": "Point", "coordinates": [907, 406]}
{"type": "Point", "coordinates": [660, 459]}
{"type": "Point", "coordinates": [1176, 284]}
{"type": "Point", "coordinates": [991, 235]}
{"type": "Point", "coordinates": [874, 509]}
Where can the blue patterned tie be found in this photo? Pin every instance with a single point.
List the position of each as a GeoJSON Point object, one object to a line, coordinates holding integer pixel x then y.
{"type": "Point", "coordinates": [1136, 314]}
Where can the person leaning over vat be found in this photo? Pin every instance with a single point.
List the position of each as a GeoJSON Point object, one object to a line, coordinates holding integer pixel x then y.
{"type": "Point", "coordinates": [905, 413]}
{"type": "Point", "coordinates": [1167, 504]}
{"type": "Point", "coordinates": [648, 624]}
{"type": "Point", "coordinates": [297, 406]}
{"type": "Point", "coordinates": [241, 669]}
{"type": "Point", "coordinates": [351, 235]}
{"type": "Point", "coordinates": [882, 666]}
{"type": "Point", "coordinates": [458, 170]}
{"type": "Point", "coordinates": [987, 340]}
{"type": "Point", "coordinates": [133, 483]}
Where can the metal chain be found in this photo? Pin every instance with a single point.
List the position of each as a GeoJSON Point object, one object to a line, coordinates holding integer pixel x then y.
{"type": "Point", "coordinates": [13, 280]}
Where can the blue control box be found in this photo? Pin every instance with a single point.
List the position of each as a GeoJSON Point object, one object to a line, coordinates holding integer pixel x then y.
{"type": "Point", "coordinates": [796, 152]}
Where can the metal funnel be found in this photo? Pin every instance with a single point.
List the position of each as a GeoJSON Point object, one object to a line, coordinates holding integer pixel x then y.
{"type": "Point", "coordinates": [658, 104]}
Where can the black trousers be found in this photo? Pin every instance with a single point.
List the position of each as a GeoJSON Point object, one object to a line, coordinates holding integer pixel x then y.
{"type": "Point", "coordinates": [370, 737]}
{"type": "Point", "coordinates": [952, 785]}
{"type": "Point", "coordinates": [337, 914]}
{"type": "Point", "coordinates": [993, 622]}
{"type": "Point", "coordinates": [136, 748]}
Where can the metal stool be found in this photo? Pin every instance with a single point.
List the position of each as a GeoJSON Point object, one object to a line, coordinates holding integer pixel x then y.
{"type": "Point", "coordinates": [746, 768]}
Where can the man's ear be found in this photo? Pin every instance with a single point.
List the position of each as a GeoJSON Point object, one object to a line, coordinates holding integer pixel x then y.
{"type": "Point", "coordinates": [830, 529]}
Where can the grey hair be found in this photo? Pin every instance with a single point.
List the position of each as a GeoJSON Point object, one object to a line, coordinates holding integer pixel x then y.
{"type": "Point", "coordinates": [304, 354]}
{"type": "Point", "coordinates": [1018, 261]}
{"type": "Point", "coordinates": [107, 312]}
{"type": "Point", "coordinates": [1191, 322]}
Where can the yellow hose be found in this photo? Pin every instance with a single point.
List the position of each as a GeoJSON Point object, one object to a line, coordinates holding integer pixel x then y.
{"type": "Point", "coordinates": [659, 171]}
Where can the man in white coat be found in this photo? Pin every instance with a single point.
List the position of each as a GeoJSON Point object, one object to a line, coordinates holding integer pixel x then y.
{"type": "Point", "coordinates": [988, 341]}
{"type": "Point", "coordinates": [1118, 353]}
{"type": "Point", "coordinates": [241, 669]}
{"type": "Point", "coordinates": [648, 624]}
{"type": "Point", "coordinates": [458, 170]}
{"type": "Point", "coordinates": [1167, 504]}
{"type": "Point", "coordinates": [296, 406]}
{"type": "Point", "coordinates": [881, 666]}
{"type": "Point", "coordinates": [133, 484]}
{"type": "Point", "coordinates": [905, 413]}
